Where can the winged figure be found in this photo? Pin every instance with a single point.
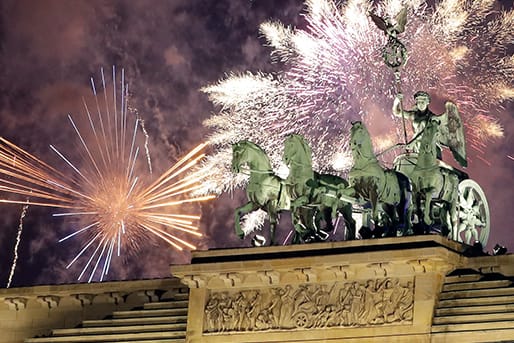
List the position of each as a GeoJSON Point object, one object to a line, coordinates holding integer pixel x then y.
{"type": "Point", "coordinates": [451, 129]}
{"type": "Point", "coordinates": [451, 133]}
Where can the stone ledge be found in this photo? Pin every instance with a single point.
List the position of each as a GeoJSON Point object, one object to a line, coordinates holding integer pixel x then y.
{"type": "Point", "coordinates": [320, 262]}
{"type": "Point", "coordinates": [327, 248]}
{"type": "Point", "coordinates": [113, 289]}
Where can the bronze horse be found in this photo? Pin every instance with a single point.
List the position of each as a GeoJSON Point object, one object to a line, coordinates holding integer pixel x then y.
{"type": "Point", "coordinates": [313, 190]}
{"type": "Point", "coordinates": [388, 191]}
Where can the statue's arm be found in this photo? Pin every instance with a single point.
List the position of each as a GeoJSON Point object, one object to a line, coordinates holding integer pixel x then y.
{"type": "Point", "coordinates": [398, 111]}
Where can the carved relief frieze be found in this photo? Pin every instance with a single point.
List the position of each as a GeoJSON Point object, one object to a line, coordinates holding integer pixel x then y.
{"type": "Point", "coordinates": [305, 306]}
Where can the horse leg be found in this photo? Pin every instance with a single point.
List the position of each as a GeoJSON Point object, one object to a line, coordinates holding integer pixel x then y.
{"type": "Point", "coordinates": [349, 222]}
{"type": "Point", "coordinates": [408, 208]}
{"type": "Point", "coordinates": [303, 222]}
{"type": "Point", "coordinates": [374, 212]}
{"type": "Point", "coordinates": [427, 218]}
{"type": "Point", "coordinates": [408, 220]}
{"type": "Point", "coordinates": [373, 200]}
{"type": "Point", "coordinates": [389, 220]}
{"type": "Point", "coordinates": [418, 227]}
{"type": "Point", "coordinates": [298, 225]}
{"type": "Point", "coordinates": [328, 214]}
{"type": "Point", "coordinates": [273, 215]}
{"type": "Point", "coordinates": [403, 208]}
{"type": "Point", "coordinates": [298, 202]}
{"type": "Point", "coordinates": [246, 208]}
{"type": "Point", "coordinates": [272, 226]}
{"type": "Point", "coordinates": [318, 233]}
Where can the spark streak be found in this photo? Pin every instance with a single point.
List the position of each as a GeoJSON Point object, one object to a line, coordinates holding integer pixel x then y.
{"type": "Point", "coordinates": [18, 240]}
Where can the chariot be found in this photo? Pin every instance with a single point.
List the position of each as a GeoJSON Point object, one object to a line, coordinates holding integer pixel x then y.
{"type": "Point", "coordinates": [443, 198]}
{"type": "Point", "coordinates": [420, 191]}
{"type": "Point", "coordinates": [473, 218]}
{"type": "Point", "coordinates": [420, 194]}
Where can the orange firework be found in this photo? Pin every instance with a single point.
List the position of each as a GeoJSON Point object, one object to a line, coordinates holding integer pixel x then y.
{"type": "Point", "coordinates": [109, 192]}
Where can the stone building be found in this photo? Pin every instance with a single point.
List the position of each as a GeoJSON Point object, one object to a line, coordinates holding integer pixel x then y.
{"type": "Point", "coordinates": [411, 289]}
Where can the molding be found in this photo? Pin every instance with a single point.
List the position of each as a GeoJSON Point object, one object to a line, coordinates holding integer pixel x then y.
{"type": "Point", "coordinates": [194, 281]}
{"type": "Point", "coordinates": [16, 303]}
{"type": "Point", "coordinates": [148, 295]}
{"type": "Point", "coordinates": [84, 298]}
{"type": "Point", "coordinates": [49, 301]}
{"type": "Point", "coordinates": [117, 297]}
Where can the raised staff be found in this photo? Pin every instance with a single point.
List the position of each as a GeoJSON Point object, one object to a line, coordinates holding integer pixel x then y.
{"type": "Point", "coordinates": [394, 52]}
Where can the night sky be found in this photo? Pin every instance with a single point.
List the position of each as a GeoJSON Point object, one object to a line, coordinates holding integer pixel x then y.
{"type": "Point", "coordinates": [49, 49]}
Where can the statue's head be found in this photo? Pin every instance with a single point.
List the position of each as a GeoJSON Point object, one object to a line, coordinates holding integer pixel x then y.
{"type": "Point", "coordinates": [422, 100]}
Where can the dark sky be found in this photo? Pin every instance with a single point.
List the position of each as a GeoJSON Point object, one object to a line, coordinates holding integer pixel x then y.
{"type": "Point", "coordinates": [170, 49]}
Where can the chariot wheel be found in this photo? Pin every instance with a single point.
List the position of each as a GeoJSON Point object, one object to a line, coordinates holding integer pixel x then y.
{"type": "Point", "coordinates": [301, 319]}
{"type": "Point", "coordinates": [473, 214]}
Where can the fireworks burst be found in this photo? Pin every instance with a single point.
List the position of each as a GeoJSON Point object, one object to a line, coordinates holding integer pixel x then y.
{"type": "Point", "coordinates": [333, 73]}
{"type": "Point", "coordinates": [109, 192]}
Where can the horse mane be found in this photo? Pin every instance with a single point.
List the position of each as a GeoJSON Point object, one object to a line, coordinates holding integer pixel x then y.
{"type": "Point", "coordinates": [300, 141]}
{"type": "Point", "coordinates": [250, 143]}
{"type": "Point", "coordinates": [246, 144]}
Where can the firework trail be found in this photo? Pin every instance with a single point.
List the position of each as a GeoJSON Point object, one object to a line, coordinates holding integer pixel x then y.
{"type": "Point", "coordinates": [18, 240]}
{"type": "Point", "coordinates": [333, 73]}
{"type": "Point", "coordinates": [147, 149]}
{"type": "Point", "coordinates": [111, 197]}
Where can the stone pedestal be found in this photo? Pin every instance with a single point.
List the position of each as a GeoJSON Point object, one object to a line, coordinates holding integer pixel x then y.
{"type": "Point", "coordinates": [383, 289]}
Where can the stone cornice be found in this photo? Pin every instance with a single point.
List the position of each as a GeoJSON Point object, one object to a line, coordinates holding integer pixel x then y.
{"type": "Point", "coordinates": [319, 249]}
{"type": "Point", "coordinates": [319, 265]}
{"type": "Point", "coordinates": [84, 294]}
{"type": "Point", "coordinates": [16, 303]}
{"type": "Point", "coordinates": [503, 264]}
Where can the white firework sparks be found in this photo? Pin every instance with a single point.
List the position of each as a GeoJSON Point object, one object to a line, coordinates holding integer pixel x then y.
{"type": "Point", "coordinates": [333, 73]}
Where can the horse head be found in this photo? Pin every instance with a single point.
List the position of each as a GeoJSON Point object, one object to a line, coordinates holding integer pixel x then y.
{"type": "Point", "coordinates": [246, 152]}
{"type": "Point", "coordinates": [296, 149]}
{"type": "Point", "coordinates": [360, 141]}
{"type": "Point", "coordinates": [239, 155]}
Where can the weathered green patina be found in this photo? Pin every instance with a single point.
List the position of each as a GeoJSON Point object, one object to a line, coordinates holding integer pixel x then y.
{"type": "Point", "coordinates": [310, 189]}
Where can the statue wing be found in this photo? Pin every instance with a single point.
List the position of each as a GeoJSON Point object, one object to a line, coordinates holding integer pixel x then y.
{"type": "Point", "coordinates": [401, 20]}
{"type": "Point", "coordinates": [452, 133]}
{"type": "Point", "coordinates": [379, 21]}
